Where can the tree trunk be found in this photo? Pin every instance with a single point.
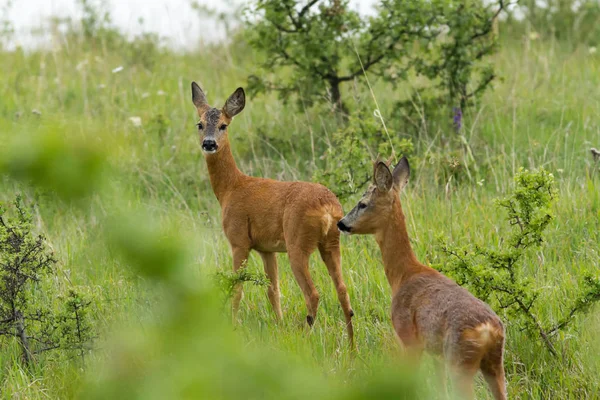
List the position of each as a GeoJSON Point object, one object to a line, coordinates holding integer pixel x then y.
{"type": "Point", "coordinates": [22, 336]}
{"type": "Point", "coordinates": [336, 97]}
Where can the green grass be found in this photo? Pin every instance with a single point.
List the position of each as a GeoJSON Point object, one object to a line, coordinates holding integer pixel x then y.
{"type": "Point", "coordinates": [543, 112]}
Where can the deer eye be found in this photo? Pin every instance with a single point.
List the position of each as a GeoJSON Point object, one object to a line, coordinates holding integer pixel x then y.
{"type": "Point", "coordinates": [223, 127]}
{"type": "Point", "coordinates": [200, 126]}
{"type": "Point", "coordinates": [362, 206]}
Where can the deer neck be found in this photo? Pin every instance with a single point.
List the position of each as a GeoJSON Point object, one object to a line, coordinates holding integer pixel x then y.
{"type": "Point", "coordinates": [399, 260]}
{"type": "Point", "coordinates": [223, 171]}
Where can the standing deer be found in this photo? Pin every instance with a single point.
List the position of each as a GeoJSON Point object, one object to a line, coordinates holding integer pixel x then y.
{"type": "Point", "coordinates": [429, 311]}
{"type": "Point", "coordinates": [271, 216]}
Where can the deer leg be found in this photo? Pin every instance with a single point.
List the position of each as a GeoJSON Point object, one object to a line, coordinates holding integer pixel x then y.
{"type": "Point", "coordinates": [240, 257]}
{"type": "Point", "coordinates": [332, 259]}
{"type": "Point", "coordinates": [270, 263]}
{"type": "Point", "coordinates": [299, 263]}
{"type": "Point", "coordinates": [463, 380]}
{"type": "Point", "coordinates": [440, 366]}
{"type": "Point", "coordinates": [497, 383]}
{"type": "Point", "coordinates": [410, 345]}
{"type": "Point", "coordinates": [492, 368]}
{"type": "Point", "coordinates": [464, 363]}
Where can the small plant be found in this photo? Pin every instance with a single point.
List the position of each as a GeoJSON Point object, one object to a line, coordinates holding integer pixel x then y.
{"type": "Point", "coordinates": [347, 171]}
{"type": "Point", "coordinates": [497, 275]}
{"type": "Point", "coordinates": [76, 331]}
{"type": "Point", "coordinates": [25, 313]}
{"type": "Point", "coordinates": [227, 281]}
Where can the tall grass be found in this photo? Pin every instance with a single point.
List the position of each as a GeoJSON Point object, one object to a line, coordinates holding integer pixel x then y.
{"type": "Point", "coordinates": [543, 112]}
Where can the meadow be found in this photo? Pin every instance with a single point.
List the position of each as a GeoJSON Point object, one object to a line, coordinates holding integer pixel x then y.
{"type": "Point", "coordinates": [138, 116]}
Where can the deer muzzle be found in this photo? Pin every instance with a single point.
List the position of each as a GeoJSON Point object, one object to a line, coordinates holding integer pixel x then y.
{"type": "Point", "coordinates": [343, 227]}
{"type": "Point", "coordinates": [209, 146]}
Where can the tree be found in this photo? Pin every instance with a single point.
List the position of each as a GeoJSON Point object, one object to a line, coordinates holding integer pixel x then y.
{"type": "Point", "coordinates": [320, 44]}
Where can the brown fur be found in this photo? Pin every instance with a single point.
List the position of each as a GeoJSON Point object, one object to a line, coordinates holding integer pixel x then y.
{"type": "Point", "coordinates": [271, 216]}
{"type": "Point", "coordinates": [429, 311]}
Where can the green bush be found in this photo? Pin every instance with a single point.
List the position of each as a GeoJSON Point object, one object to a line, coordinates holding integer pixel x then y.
{"type": "Point", "coordinates": [26, 311]}
{"type": "Point", "coordinates": [497, 275]}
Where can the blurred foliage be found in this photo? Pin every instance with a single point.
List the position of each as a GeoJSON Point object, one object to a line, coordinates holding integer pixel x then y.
{"type": "Point", "coordinates": [572, 22]}
{"type": "Point", "coordinates": [7, 29]}
{"type": "Point", "coordinates": [347, 171]}
{"type": "Point", "coordinates": [497, 275]}
{"type": "Point", "coordinates": [315, 46]}
{"type": "Point", "coordinates": [70, 166]}
{"type": "Point", "coordinates": [228, 16]}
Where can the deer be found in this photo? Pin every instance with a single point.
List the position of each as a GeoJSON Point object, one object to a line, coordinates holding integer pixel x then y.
{"type": "Point", "coordinates": [430, 312]}
{"type": "Point", "coordinates": [270, 216]}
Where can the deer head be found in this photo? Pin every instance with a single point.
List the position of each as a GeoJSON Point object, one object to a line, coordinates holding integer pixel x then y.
{"type": "Point", "coordinates": [372, 211]}
{"type": "Point", "coordinates": [213, 123]}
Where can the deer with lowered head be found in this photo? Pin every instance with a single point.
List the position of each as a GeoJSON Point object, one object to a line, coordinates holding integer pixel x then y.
{"type": "Point", "coordinates": [429, 311]}
{"type": "Point", "coordinates": [270, 216]}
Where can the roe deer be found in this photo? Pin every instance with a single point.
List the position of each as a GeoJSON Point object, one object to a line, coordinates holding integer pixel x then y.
{"type": "Point", "coordinates": [429, 311]}
{"type": "Point", "coordinates": [271, 216]}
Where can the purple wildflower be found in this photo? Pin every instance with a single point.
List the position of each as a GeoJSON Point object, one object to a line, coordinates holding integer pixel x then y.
{"type": "Point", "coordinates": [457, 118]}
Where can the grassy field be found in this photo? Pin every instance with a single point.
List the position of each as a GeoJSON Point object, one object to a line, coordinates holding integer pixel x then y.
{"type": "Point", "coordinates": [543, 111]}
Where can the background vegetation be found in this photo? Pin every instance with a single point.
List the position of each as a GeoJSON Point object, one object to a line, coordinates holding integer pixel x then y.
{"type": "Point", "coordinates": [98, 137]}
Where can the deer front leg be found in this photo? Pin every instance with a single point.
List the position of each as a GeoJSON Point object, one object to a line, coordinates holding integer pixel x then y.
{"type": "Point", "coordinates": [270, 262]}
{"type": "Point", "coordinates": [240, 257]}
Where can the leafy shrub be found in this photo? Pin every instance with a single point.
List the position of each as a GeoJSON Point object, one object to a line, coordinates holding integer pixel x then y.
{"type": "Point", "coordinates": [25, 314]}
{"type": "Point", "coordinates": [497, 276]}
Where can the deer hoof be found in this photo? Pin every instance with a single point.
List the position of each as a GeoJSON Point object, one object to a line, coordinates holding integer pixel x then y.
{"type": "Point", "coordinates": [310, 320]}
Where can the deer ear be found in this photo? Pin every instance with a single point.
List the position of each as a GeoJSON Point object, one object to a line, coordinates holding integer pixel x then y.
{"type": "Point", "coordinates": [198, 96]}
{"type": "Point", "coordinates": [235, 103]}
{"type": "Point", "coordinates": [401, 174]}
{"type": "Point", "coordinates": [383, 177]}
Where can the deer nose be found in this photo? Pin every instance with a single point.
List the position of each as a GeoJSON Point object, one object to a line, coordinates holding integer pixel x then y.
{"type": "Point", "coordinates": [343, 227]}
{"type": "Point", "coordinates": [209, 145]}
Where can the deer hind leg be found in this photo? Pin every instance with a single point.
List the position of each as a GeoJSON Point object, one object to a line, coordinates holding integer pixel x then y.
{"type": "Point", "coordinates": [497, 383]}
{"type": "Point", "coordinates": [440, 367]}
{"type": "Point", "coordinates": [411, 347]}
{"type": "Point", "coordinates": [464, 379]}
{"type": "Point", "coordinates": [332, 259]}
{"type": "Point", "coordinates": [270, 263]}
{"type": "Point", "coordinates": [464, 364]}
{"type": "Point", "coordinates": [240, 257]}
{"type": "Point", "coordinates": [492, 367]}
{"type": "Point", "coordinates": [299, 264]}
